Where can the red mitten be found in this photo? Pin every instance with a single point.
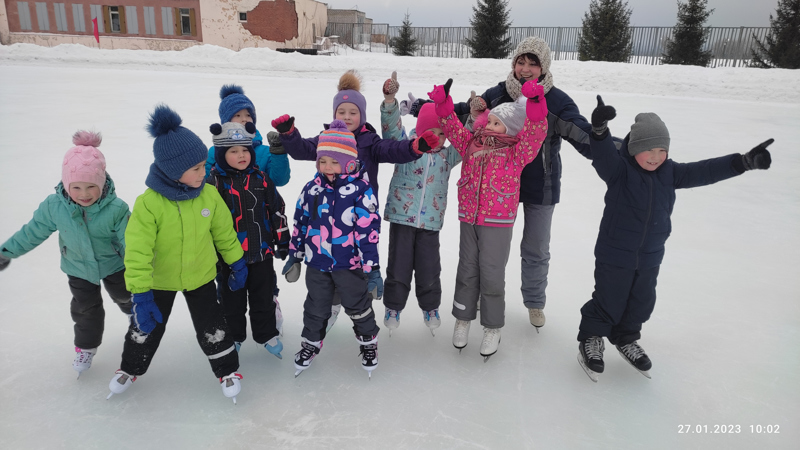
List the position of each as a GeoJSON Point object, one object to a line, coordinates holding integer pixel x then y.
{"type": "Point", "coordinates": [284, 124]}
{"type": "Point", "coordinates": [441, 97]}
{"type": "Point", "coordinates": [426, 142]}
{"type": "Point", "coordinates": [536, 106]}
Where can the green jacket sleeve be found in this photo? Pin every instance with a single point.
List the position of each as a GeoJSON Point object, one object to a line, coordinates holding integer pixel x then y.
{"type": "Point", "coordinates": [40, 227]}
{"type": "Point", "coordinates": [391, 122]}
{"type": "Point", "coordinates": [224, 236]}
{"type": "Point", "coordinates": [140, 239]}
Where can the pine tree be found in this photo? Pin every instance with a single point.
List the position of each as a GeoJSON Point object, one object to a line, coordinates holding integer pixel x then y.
{"type": "Point", "coordinates": [686, 45]}
{"type": "Point", "coordinates": [406, 43]}
{"type": "Point", "coordinates": [781, 47]}
{"type": "Point", "coordinates": [490, 23]}
{"type": "Point", "coordinates": [606, 34]}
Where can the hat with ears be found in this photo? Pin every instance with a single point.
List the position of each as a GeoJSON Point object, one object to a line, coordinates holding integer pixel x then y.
{"type": "Point", "coordinates": [647, 132]}
{"type": "Point", "coordinates": [233, 101]}
{"type": "Point", "coordinates": [231, 134]}
{"type": "Point", "coordinates": [340, 144]}
{"type": "Point", "coordinates": [84, 162]}
{"type": "Point", "coordinates": [512, 114]}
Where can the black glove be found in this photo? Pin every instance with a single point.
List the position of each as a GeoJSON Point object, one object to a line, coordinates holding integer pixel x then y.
{"type": "Point", "coordinates": [275, 145]}
{"type": "Point", "coordinates": [282, 251]}
{"type": "Point", "coordinates": [758, 157]}
{"type": "Point", "coordinates": [4, 261]}
{"type": "Point", "coordinates": [601, 115]}
{"type": "Point", "coordinates": [284, 123]}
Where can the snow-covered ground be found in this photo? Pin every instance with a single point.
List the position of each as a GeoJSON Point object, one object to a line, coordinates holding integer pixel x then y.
{"type": "Point", "coordinates": [723, 337]}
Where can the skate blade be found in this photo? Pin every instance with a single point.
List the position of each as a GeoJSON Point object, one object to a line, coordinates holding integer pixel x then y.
{"type": "Point", "coordinates": [279, 356]}
{"type": "Point", "coordinates": [234, 399]}
{"type": "Point", "coordinates": [646, 373]}
{"type": "Point", "coordinates": [594, 376]}
{"type": "Point", "coordinates": [299, 371]}
{"type": "Point", "coordinates": [537, 329]}
{"type": "Point", "coordinates": [109, 395]}
{"type": "Point", "coordinates": [486, 357]}
{"type": "Point", "coordinates": [433, 332]}
{"type": "Point", "coordinates": [390, 332]}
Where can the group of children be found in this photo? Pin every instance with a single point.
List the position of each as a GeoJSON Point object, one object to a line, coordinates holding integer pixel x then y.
{"type": "Point", "coordinates": [217, 214]}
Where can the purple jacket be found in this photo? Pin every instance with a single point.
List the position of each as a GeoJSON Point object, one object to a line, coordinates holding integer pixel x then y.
{"type": "Point", "coordinates": [372, 150]}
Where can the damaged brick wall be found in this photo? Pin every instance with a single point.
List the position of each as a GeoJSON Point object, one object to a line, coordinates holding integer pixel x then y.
{"type": "Point", "coordinates": [274, 21]}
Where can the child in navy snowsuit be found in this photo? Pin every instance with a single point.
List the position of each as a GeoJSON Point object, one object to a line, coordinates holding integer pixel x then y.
{"type": "Point", "coordinates": [336, 228]}
{"type": "Point", "coordinates": [260, 225]}
{"type": "Point", "coordinates": [641, 183]}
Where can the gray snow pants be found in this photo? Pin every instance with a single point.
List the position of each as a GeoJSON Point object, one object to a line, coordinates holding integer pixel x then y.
{"type": "Point", "coordinates": [535, 253]}
{"type": "Point", "coordinates": [482, 256]}
{"type": "Point", "coordinates": [351, 286]}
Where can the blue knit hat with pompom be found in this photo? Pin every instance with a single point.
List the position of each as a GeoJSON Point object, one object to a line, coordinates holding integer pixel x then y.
{"type": "Point", "coordinates": [233, 101]}
{"type": "Point", "coordinates": [176, 149]}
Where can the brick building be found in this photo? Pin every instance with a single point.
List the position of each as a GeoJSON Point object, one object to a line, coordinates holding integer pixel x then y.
{"type": "Point", "coordinates": [164, 24]}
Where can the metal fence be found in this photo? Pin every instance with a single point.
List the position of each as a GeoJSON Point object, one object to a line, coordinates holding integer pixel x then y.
{"type": "Point", "coordinates": [729, 46]}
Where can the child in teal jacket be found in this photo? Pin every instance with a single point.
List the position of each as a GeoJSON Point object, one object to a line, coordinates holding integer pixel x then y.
{"type": "Point", "coordinates": [91, 222]}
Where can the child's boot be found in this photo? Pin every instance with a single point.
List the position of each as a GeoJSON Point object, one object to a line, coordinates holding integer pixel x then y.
{"type": "Point", "coordinates": [490, 342]}
{"type": "Point", "coordinates": [308, 351]}
{"type": "Point", "coordinates": [275, 346]}
{"type": "Point", "coordinates": [83, 359]}
{"type": "Point", "coordinates": [432, 320]}
{"type": "Point", "coordinates": [391, 319]}
{"type": "Point", "coordinates": [461, 334]}
{"type": "Point", "coordinates": [231, 386]}
{"type": "Point", "coordinates": [369, 352]}
{"type": "Point", "coordinates": [120, 383]}
{"type": "Point", "coordinates": [636, 356]}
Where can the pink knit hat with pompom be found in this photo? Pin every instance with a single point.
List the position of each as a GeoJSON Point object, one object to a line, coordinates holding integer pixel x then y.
{"type": "Point", "coordinates": [84, 162]}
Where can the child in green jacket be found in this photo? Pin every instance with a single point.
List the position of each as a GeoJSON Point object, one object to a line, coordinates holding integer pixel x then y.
{"type": "Point", "coordinates": [90, 221]}
{"type": "Point", "coordinates": [177, 227]}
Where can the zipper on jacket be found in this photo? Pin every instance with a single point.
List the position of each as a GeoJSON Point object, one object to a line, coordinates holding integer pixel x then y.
{"type": "Point", "coordinates": [424, 187]}
{"type": "Point", "coordinates": [478, 190]}
{"type": "Point", "coordinates": [647, 220]}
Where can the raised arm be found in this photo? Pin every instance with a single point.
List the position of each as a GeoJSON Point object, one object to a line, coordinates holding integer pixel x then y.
{"type": "Point", "coordinates": [606, 159]}
{"type": "Point", "coordinates": [452, 127]}
{"type": "Point", "coordinates": [534, 131]}
{"type": "Point", "coordinates": [297, 147]}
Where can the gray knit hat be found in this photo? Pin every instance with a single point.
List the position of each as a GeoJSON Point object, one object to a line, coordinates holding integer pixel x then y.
{"type": "Point", "coordinates": [512, 114]}
{"type": "Point", "coordinates": [647, 132]}
{"type": "Point", "coordinates": [536, 46]}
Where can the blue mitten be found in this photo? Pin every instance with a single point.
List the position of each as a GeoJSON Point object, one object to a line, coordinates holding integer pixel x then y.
{"type": "Point", "coordinates": [238, 275]}
{"type": "Point", "coordinates": [375, 284]}
{"type": "Point", "coordinates": [145, 312]}
{"type": "Point", "coordinates": [292, 269]}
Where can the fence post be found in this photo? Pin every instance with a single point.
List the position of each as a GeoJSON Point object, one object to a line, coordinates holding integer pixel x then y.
{"type": "Point", "coordinates": [439, 42]}
{"type": "Point", "coordinates": [739, 45]}
{"type": "Point", "coordinates": [558, 43]}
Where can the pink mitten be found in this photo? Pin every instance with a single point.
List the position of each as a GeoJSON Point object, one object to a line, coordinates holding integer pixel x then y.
{"type": "Point", "coordinates": [441, 97]}
{"type": "Point", "coordinates": [284, 124]}
{"type": "Point", "coordinates": [426, 142]}
{"type": "Point", "coordinates": [536, 106]}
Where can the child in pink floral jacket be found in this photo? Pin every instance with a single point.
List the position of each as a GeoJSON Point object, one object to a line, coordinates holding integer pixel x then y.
{"type": "Point", "coordinates": [488, 197]}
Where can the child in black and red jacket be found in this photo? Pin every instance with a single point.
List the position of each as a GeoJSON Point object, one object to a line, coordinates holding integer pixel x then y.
{"type": "Point", "coordinates": [260, 225]}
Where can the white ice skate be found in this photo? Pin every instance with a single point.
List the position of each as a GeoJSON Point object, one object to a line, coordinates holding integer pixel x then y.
{"type": "Point", "coordinates": [432, 320]}
{"type": "Point", "coordinates": [537, 318]}
{"type": "Point", "coordinates": [231, 386]}
{"type": "Point", "coordinates": [391, 320]}
{"type": "Point", "coordinates": [120, 383]}
{"type": "Point", "coordinates": [490, 342]}
{"type": "Point", "coordinates": [308, 351]}
{"type": "Point", "coordinates": [461, 334]}
{"type": "Point", "coordinates": [83, 359]}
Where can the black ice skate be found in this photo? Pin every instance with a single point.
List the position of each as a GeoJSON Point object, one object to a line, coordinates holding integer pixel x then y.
{"type": "Point", "coordinates": [590, 356]}
{"type": "Point", "coordinates": [369, 353]}
{"type": "Point", "coordinates": [636, 357]}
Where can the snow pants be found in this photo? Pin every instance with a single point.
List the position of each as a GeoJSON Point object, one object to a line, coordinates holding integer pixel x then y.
{"type": "Point", "coordinates": [413, 251]}
{"type": "Point", "coordinates": [351, 286]}
{"type": "Point", "coordinates": [208, 319]}
{"type": "Point", "coordinates": [482, 256]}
{"type": "Point", "coordinates": [258, 292]}
{"type": "Point", "coordinates": [87, 310]}
{"type": "Point", "coordinates": [535, 253]}
{"type": "Point", "coordinates": [622, 301]}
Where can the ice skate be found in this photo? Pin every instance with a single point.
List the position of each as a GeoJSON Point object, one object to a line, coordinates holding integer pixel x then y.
{"type": "Point", "coordinates": [231, 386]}
{"type": "Point", "coordinates": [278, 316]}
{"type": "Point", "coordinates": [308, 351]}
{"type": "Point", "coordinates": [334, 314]}
{"type": "Point", "coordinates": [369, 353]}
{"type": "Point", "coordinates": [83, 359]}
{"type": "Point", "coordinates": [391, 320]}
{"type": "Point", "coordinates": [432, 320]}
{"type": "Point", "coordinates": [590, 356]}
{"type": "Point", "coordinates": [460, 334]}
{"type": "Point", "coordinates": [537, 317]}
{"type": "Point", "coordinates": [491, 340]}
{"type": "Point", "coordinates": [120, 383]}
{"type": "Point", "coordinates": [636, 357]}
{"type": "Point", "coordinates": [275, 346]}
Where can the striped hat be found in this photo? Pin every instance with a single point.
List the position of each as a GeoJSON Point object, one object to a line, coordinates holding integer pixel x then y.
{"type": "Point", "coordinates": [338, 143]}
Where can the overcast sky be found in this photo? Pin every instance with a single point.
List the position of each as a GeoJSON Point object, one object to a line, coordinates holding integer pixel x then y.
{"type": "Point", "coordinates": [566, 13]}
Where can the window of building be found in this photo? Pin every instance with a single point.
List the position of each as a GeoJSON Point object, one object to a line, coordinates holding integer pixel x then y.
{"type": "Point", "coordinates": [77, 16]}
{"type": "Point", "coordinates": [186, 21]}
{"type": "Point", "coordinates": [242, 17]}
{"type": "Point", "coordinates": [149, 20]}
{"type": "Point", "coordinates": [97, 13]}
{"type": "Point", "coordinates": [41, 16]}
{"type": "Point", "coordinates": [24, 13]}
{"type": "Point", "coordinates": [167, 21]}
{"type": "Point", "coordinates": [131, 20]}
{"type": "Point", "coordinates": [113, 15]}
{"type": "Point", "coordinates": [61, 16]}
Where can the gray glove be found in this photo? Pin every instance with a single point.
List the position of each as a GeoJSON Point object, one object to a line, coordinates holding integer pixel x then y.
{"type": "Point", "coordinates": [291, 270]}
{"type": "Point", "coordinates": [4, 261]}
{"type": "Point", "coordinates": [275, 145]}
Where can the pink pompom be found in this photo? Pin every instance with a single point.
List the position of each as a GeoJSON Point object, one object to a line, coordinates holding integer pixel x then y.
{"type": "Point", "coordinates": [87, 138]}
